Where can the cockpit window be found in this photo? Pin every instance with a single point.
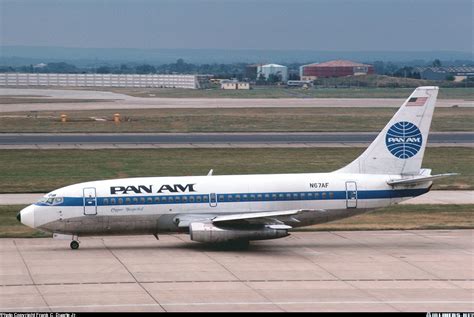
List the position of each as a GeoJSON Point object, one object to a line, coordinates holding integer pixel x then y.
{"type": "Point", "coordinates": [51, 200]}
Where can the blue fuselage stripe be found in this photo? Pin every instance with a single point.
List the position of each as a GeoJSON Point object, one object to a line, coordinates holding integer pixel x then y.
{"type": "Point", "coordinates": [238, 197]}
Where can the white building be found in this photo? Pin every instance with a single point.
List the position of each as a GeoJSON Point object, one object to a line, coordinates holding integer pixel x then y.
{"type": "Point", "coordinates": [273, 69]}
{"type": "Point", "coordinates": [105, 80]}
{"type": "Point", "coordinates": [236, 85]}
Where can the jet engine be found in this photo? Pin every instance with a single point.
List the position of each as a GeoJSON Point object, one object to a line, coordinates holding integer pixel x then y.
{"type": "Point", "coordinates": [209, 233]}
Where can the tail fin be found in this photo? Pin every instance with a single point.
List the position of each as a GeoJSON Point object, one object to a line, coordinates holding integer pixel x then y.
{"type": "Point", "coordinates": [399, 148]}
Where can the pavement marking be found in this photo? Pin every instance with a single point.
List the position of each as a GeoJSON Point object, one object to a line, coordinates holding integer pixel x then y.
{"type": "Point", "coordinates": [241, 303]}
{"type": "Point", "coordinates": [133, 276]}
{"type": "Point", "coordinates": [31, 276]}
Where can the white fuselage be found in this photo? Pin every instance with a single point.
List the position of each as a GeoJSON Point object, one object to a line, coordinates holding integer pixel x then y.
{"type": "Point", "coordinates": [154, 204]}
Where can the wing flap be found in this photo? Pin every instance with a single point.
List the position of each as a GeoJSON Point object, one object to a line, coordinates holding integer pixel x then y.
{"type": "Point", "coordinates": [269, 218]}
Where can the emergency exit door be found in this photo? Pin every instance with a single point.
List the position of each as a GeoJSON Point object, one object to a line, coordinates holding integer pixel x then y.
{"type": "Point", "coordinates": [90, 201]}
{"type": "Point", "coordinates": [351, 194]}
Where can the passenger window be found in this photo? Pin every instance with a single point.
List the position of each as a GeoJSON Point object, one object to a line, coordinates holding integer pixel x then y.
{"type": "Point", "coordinates": [267, 196]}
{"type": "Point", "coordinates": [316, 195]}
{"type": "Point", "coordinates": [280, 196]}
{"type": "Point", "coordinates": [244, 197]}
{"type": "Point", "coordinates": [178, 199]}
{"type": "Point", "coordinates": [149, 200]}
{"type": "Point", "coordinates": [205, 198]}
{"type": "Point", "coordinates": [135, 200]}
{"type": "Point", "coordinates": [237, 197]}
{"type": "Point", "coordinates": [171, 199]}
{"type": "Point", "coordinates": [191, 199]}
{"type": "Point", "coordinates": [112, 201]}
{"type": "Point", "coordinates": [303, 195]}
{"type": "Point", "coordinates": [229, 198]}
{"type": "Point", "coordinates": [288, 196]}
{"type": "Point", "coordinates": [274, 196]}
{"type": "Point", "coordinates": [259, 196]}
{"type": "Point", "coordinates": [163, 199]}
{"type": "Point", "coordinates": [198, 199]}
{"type": "Point", "coordinates": [331, 195]}
{"type": "Point", "coordinates": [142, 200]}
{"type": "Point", "coordinates": [106, 201]}
{"type": "Point", "coordinates": [221, 197]}
{"type": "Point", "coordinates": [295, 196]}
{"type": "Point", "coordinates": [127, 200]}
{"type": "Point", "coordinates": [157, 199]}
{"type": "Point", "coordinates": [120, 201]}
{"type": "Point", "coordinates": [185, 199]}
{"type": "Point", "coordinates": [323, 195]}
{"type": "Point", "coordinates": [310, 195]}
{"type": "Point", "coordinates": [252, 197]}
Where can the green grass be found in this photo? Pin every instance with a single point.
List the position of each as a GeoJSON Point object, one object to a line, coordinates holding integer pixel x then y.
{"type": "Point", "coordinates": [394, 217]}
{"type": "Point", "coordinates": [228, 120]}
{"type": "Point", "coordinates": [10, 227]}
{"type": "Point", "coordinates": [45, 170]}
{"type": "Point", "coordinates": [283, 92]}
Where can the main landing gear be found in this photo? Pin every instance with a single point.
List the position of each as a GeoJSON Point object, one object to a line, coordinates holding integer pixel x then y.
{"type": "Point", "coordinates": [74, 244]}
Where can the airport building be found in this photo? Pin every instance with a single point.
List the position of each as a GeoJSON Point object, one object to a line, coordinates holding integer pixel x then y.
{"type": "Point", "coordinates": [234, 85]}
{"type": "Point", "coordinates": [458, 73]}
{"type": "Point", "coordinates": [337, 68]}
{"type": "Point", "coordinates": [105, 80]}
{"type": "Point", "coordinates": [273, 69]}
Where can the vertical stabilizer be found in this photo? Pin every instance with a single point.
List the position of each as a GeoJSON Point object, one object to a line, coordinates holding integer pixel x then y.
{"type": "Point", "coordinates": [399, 148]}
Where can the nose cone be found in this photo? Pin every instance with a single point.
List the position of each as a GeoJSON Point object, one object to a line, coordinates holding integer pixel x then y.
{"type": "Point", "coordinates": [27, 216]}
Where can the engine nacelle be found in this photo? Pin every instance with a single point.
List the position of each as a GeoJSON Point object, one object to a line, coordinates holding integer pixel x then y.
{"type": "Point", "coordinates": [209, 233]}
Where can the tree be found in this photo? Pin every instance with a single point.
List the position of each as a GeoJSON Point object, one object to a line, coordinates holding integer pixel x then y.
{"type": "Point", "coordinates": [450, 77]}
{"type": "Point", "coordinates": [145, 69]}
{"type": "Point", "coordinates": [274, 78]}
{"type": "Point", "coordinates": [103, 70]}
{"type": "Point", "coordinates": [436, 63]}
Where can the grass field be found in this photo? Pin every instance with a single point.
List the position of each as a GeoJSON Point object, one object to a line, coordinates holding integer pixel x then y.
{"type": "Point", "coordinates": [283, 92]}
{"type": "Point", "coordinates": [394, 217]}
{"type": "Point", "coordinates": [227, 120]}
{"type": "Point", "coordinates": [45, 170]}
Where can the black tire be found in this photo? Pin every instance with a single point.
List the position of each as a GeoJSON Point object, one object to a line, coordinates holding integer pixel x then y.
{"type": "Point", "coordinates": [74, 245]}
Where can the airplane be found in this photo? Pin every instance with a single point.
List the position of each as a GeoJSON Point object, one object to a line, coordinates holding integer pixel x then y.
{"type": "Point", "coordinates": [243, 208]}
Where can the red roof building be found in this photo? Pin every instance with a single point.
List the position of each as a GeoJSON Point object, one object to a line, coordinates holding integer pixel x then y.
{"type": "Point", "coordinates": [338, 68]}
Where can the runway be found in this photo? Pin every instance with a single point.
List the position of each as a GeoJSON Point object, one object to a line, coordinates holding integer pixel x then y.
{"type": "Point", "coordinates": [137, 140]}
{"type": "Point", "coordinates": [423, 271]}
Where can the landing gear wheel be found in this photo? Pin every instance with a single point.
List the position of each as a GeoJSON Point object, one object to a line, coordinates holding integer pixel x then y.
{"type": "Point", "coordinates": [74, 245]}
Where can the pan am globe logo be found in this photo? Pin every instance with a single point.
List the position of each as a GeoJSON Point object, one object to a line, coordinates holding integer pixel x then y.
{"type": "Point", "coordinates": [403, 139]}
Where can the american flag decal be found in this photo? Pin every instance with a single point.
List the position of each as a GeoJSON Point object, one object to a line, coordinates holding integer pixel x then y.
{"type": "Point", "coordinates": [418, 101]}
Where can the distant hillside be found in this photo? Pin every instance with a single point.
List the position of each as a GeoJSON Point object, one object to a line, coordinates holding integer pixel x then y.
{"type": "Point", "coordinates": [23, 55]}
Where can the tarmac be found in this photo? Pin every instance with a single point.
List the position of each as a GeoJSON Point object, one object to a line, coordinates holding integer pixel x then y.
{"type": "Point", "coordinates": [211, 140]}
{"type": "Point", "coordinates": [434, 197]}
{"type": "Point", "coordinates": [426, 270]}
{"type": "Point", "coordinates": [109, 100]}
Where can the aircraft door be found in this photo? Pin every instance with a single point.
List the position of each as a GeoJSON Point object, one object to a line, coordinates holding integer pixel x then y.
{"type": "Point", "coordinates": [351, 194]}
{"type": "Point", "coordinates": [90, 201]}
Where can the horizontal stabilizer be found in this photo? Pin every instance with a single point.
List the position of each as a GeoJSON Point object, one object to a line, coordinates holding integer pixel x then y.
{"type": "Point", "coordinates": [418, 179]}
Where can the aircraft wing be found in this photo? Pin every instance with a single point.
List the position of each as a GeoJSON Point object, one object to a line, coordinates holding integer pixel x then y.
{"type": "Point", "coordinates": [273, 219]}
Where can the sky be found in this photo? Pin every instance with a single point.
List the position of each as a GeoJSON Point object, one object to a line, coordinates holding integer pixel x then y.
{"type": "Point", "coordinates": [337, 25]}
